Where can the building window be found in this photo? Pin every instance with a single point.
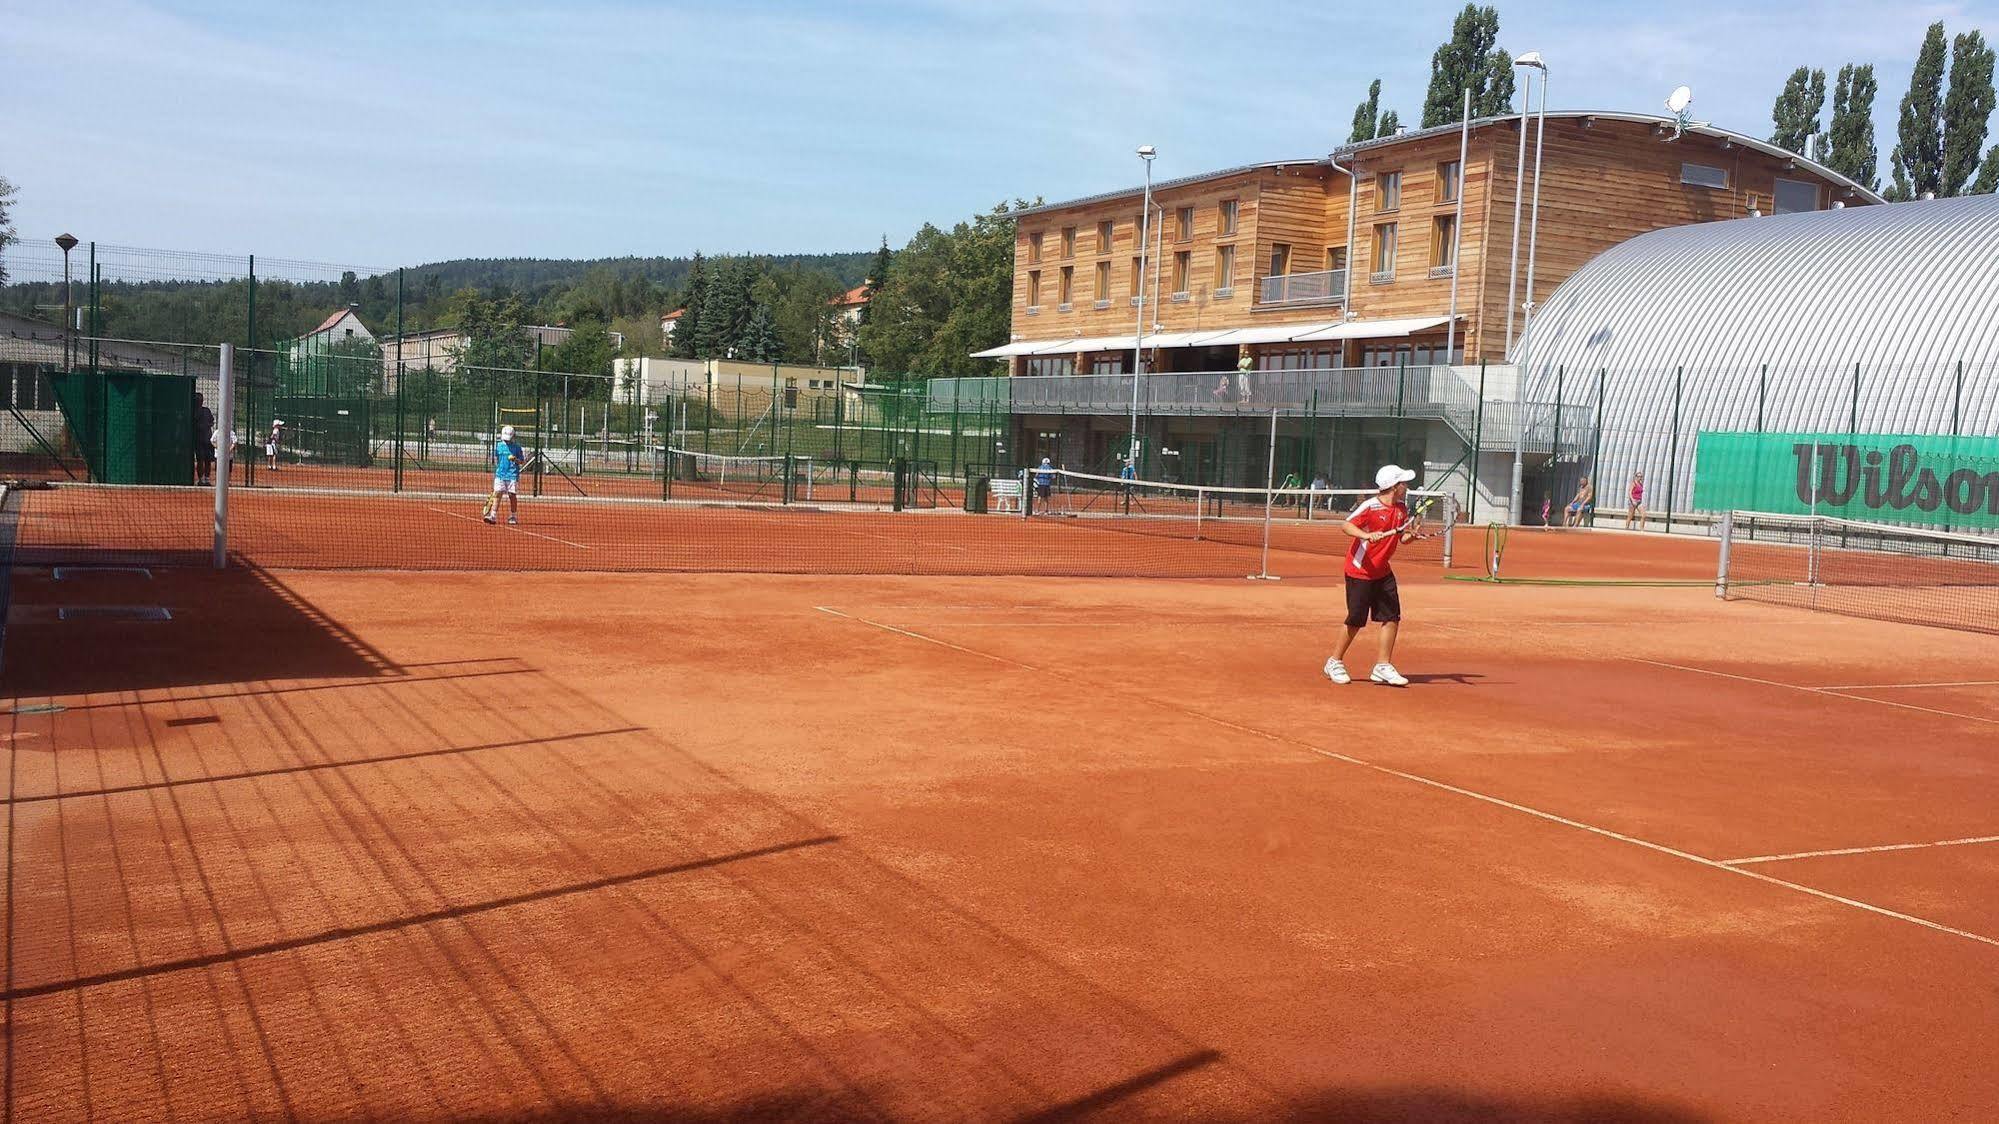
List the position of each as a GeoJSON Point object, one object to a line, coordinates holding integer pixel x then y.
{"type": "Point", "coordinates": [1107, 365]}
{"type": "Point", "coordinates": [24, 387]}
{"type": "Point", "coordinates": [1701, 175]}
{"type": "Point", "coordinates": [1449, 174]}
{"type": "Point", "coordinates": [1336, 257]}
{"type": "Point", "coordinates": [1068, 289]}
{"type": "Point", "coordinates": [1229, 212]}
{"type": "Point", "coordinates": [1034, 248]}
{"type": "Point", "coordinates": [1316, 358]}
{"type": "Point", "coordinates": [1104, 237]}
{"type": "Point", "coordinates": [1418, 355]}
{"type": "Point", "coordinates": [1068, 241]}
{"type": "Point", "coordinates": [1103, 281]}
{"type": "Point", "coordinates": [1444, 242]}
{"type": "Point", "coordinates": [1280, 259]}
{"type": "Point", "coordinates": [1186, 225]}
{"type": "Point", "coordinates": [1794, 197]}
{"type": "Point", "coordinates": [1183, 265]}
{"type": "Point", "coordinates": [1064, 365]}
{"type": "Point", "coordinates": [1137, 279]}
{"type": "Point", "coordinates": [1388, 191]}
{"type": "Point", "coordinates": [1033, 288]}
{"type": "Point", "coordinates": [1384, 250]}
{"type": "Point", "coordinates": [1224, 268]}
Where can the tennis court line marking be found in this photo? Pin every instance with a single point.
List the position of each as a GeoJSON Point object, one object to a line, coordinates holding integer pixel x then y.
{"type": "Point", "coordinates": [1835, 692]}
{"type": "Point", "coordinates": [1908, 686]}
{"type": "Point", "coordinates": [926, 639]}
{"type": "Point", "coordinates": [1861, 850]}
{"type": "Point", "coordinates": [1496, 801]}
{"type": "Point", "coordinates": [511, 527]}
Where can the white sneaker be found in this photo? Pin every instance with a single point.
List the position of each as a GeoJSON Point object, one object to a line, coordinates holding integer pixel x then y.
{"type": "Point", "coordinates": [1385, 673]}
{"type": "Point", "coordinates": [1337, 672]}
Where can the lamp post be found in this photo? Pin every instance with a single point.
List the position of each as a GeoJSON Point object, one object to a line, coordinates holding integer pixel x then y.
{"type": "Point", "coordinates": [1532, 60]}
{"type": "Point", "coordinates": [67, 242]}
{"type": "Point", "coordinates": [1146, 153]}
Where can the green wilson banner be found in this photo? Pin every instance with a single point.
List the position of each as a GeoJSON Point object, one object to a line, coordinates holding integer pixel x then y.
{"type": "Point", "coordinates": [1882, 478]}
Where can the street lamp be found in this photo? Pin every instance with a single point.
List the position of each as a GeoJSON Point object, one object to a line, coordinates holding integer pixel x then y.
{"type": "Point", "coordinates": [1146, 153]}
{"type": "Point", "coordinates": [67, 242]}
{"type": "Point", "coordinates": [1531, 60]}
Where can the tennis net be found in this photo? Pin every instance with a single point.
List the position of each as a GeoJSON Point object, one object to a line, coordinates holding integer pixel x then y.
{"type": "Point", "coordinates": [691, 475]}
{"type": "Point", "coordinates": [1861, 569]}
{"type": "Point", "coordinates": [1295, 520]}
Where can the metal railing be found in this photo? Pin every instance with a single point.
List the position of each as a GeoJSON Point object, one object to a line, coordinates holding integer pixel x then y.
{"type": "Point", "coordinates": [1327, 286]}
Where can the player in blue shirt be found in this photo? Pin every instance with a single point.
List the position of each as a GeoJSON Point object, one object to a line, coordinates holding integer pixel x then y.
{"type": "Point", "coordinates": [508, 460]}
{"type": "Point", "coordinates": [1044, 483]}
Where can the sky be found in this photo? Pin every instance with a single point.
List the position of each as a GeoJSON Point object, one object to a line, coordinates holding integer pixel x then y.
{"type": "Point", "coordinates": [381, 135]}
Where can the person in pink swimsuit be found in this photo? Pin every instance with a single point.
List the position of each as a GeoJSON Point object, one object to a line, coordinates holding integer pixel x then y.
{"type": "Point", "coordinates": [1634, 515]}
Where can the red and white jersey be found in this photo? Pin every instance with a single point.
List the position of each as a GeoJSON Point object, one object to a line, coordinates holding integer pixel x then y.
{"type": "Point", "coordinates": [1370, 559]}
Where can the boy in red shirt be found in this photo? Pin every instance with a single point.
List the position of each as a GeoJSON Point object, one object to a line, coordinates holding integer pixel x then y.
{"type": "Point", "coordinates": [1377, 527]}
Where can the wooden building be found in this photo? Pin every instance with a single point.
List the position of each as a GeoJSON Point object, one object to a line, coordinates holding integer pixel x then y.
{"type": "Point", "coordinates": [1350, 260]}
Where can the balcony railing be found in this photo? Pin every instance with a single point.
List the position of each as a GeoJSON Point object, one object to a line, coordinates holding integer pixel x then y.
{"type": "Point", "coordinates": [1328, 286]}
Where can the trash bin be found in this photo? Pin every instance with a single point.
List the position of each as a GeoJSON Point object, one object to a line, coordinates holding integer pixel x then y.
{"type": "Point", "coordinates": [976, 493]}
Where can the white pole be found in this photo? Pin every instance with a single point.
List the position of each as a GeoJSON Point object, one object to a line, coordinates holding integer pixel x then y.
{"type": "Point", "coordinates": [1138, 338]}
{"type": "Point", "coordinates": [1457, 235]}
{"type": "Point", "coordinates": [1534, 223]}
{"type": "Point", "coordinates": [225, 403]}
{"type": "Point", "coordinates": [1519, 191]}
{"type": "Point", "coordinates": [1353, 205]}
{"type": "Point", "coordinates": [1269, 487]}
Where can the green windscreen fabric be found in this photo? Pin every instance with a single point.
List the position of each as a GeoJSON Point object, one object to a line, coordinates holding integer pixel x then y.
{"type": "Point", "coordinates": [1883, 478]}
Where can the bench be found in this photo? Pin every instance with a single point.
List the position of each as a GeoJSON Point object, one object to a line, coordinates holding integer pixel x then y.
{"type": "Point", "coordinates": [1005, 492]}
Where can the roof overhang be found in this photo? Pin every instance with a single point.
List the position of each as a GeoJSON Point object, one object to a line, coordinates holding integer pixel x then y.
{"type": "Point", "coordinates": [1168, 185]}
{"type": "Point", "coordinates": [1226, 337]}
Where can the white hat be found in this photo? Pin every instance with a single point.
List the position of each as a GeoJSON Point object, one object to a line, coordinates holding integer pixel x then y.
{"type": "Point", "coordinates": [277, 421]}
{"type": "Point", "coordinates": [1044, 460]}
{"type": "Point", "coordinates": [1390, 475]}
{"type": "Point", "coordinates": [507, 432]}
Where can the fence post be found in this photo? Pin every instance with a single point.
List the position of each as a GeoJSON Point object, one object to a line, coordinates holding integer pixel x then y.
{"type": "Point", "coordinates": [1596, 452]}
{"type": "Point", "coordinates": [1555, 443]}
{"type": "Point", "coordinates": [1673, 455]}
{"type": "Point", "coordinates": [225, 401]}
{"type": "Point", "coordinates": [1477, 445]}
{"type": "Point", "coordinates": [1762, 390]}
{"type": "Point", "coordinates": [1401, 384]}
{"type": "Point", "coordinates": [1853, 419]}
{"type": "Point", "coordinates": [398, 484]}
{"type": "Point", "coordinates": [1957, 403]}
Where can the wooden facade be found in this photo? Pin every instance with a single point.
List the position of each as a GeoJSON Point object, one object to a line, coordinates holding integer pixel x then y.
{"type": "Point", "coordinates": [1603, 179]}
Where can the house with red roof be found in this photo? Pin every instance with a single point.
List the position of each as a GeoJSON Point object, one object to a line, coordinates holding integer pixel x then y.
{"type": "Point", "coordinates": [850, 303]}
{"type": "Point", "coordinates": [668, 321]}
{"type": "Point", "coordinates": [338, 328]}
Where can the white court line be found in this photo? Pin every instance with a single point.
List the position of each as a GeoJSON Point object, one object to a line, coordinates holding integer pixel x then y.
{"type": "Point", "coordinates": [1604, 832]}
{"type": "Point", "coordinates": [516, 529]}
{"type": "Point", "coordinates": [1909, 686]}
{"type": "Point", "coordinates": [1835, 692]}
{"type": "Point", "coordinates": [1861, 850]}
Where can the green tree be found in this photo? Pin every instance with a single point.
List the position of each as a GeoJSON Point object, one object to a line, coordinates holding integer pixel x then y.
{"type": "Point", "coordinates": [1796, 113]}
{"type": "Point", "coordinates": [1850, 147]}
{"type": "Point", "coordinates": [1917, 162]}
{"type": "Point", "coordinates": [1367, 115]}
{"type": "Point", "coordinates": [350, 289]}
{"type": "Point", "coordinates": [495, 334]}
{"type": "Point", "coordinates": [7, 235]}
{"type": "Point", "coordinates": [694, 299]}
{"type": "Point", "coordinates": [1470, 60]}
{"type": "Point", "coordinates": [587, 350]}
{"type": "Point", "coordinates": [947, 294]}
{"type": "Point", "coordinates": [1966, 109]}
{"type": "Point", "coordinates": [1988, 174]}
{"type": "Point", "coordinates": [1389, 123]}
{"type": "Point", "coordinates": [726, 310]}
{"type": "Point", "coordinates": [760, 342]}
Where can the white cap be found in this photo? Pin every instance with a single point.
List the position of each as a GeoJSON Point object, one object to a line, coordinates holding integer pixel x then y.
{"type": "Point", "coordinates": [507, 432]}
{"type": "Point", "coordinates": [277, 421]}
{"type": "Point", "coordinates": [1044, 460]}
{"type": "Point", "coordinates": [1390, 475]}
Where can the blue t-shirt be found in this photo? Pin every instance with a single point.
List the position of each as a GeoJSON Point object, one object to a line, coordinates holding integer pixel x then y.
{"type": "Point", "coordinates": [507, 461]}
{"type": "Point", "coordinates": [1130, 472]}
{"type": "Point", "coordinates": [1044, 476]}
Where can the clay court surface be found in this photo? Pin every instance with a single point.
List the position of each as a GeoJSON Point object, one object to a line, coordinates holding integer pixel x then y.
{"type": "Point", "coordinates": [392, 845]}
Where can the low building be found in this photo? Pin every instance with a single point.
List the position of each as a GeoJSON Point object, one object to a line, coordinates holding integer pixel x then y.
{"type": "Point", "coordinates": [340, 329]}
{"type": "Point", "coordinates": [668, 322]}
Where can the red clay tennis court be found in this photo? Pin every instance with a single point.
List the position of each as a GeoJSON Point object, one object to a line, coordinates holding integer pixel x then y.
{"type": "Point", "coordinates": [460, 844]}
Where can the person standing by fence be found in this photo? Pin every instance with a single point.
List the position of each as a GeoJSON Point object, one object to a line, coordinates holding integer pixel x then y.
{"type": "Point", "coordinates": [1634, 513]}
{"type": "Point", "coordinates": [508, 460]}
{"type": "Point", "coordinates": [204, 442]}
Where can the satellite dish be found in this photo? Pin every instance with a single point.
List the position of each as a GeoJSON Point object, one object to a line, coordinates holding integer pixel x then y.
{"type": "Point", "coordinates": [1679, 100]}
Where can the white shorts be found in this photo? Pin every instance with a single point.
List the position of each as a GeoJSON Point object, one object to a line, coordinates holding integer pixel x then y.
{"type": "Point", "coordinates": [270, 450]}
{"type": "Point", "coordinates": [507, 487]}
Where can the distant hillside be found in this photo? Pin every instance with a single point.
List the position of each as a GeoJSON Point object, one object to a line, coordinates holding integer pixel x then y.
{"type": "Point", "coordinates": [532, 275]}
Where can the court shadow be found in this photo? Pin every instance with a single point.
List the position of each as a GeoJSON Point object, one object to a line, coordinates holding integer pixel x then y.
{"type": "Point", "coordinates": [81, 630]}
{"type": "Point", "coordinates": [1433, 1105]}
{"type": "Point", "coordinates": [1461, 678]}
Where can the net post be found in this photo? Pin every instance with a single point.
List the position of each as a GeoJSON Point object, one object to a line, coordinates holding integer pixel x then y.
{"type": "Point", "coordinates": [1477, 444]}
{"type": "Point", "coordinates": [1026, 496]}
{"type": "Point", "coordinates": [1450, 534]}
{"type": "Point", "coordinates": [1721, 570]}
{"type": "Point", "coordinates": [785, 491]}
{"type": "Point", "coordinates": [225, 403]}
{"type": "Point", "coordinates": [1269, 495]}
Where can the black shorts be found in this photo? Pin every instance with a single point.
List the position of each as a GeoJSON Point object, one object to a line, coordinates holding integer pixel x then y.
{"type": "Point", "coordinates": [204, 451]}
{"type": "Point", "coordinates": [1041, 490]}
{"type": "Point", "coordinates": [1375, 596]}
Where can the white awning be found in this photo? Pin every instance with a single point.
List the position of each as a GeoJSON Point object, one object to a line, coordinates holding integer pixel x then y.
{"type": "Point", "coordinates": [1270, 333]}
{"type": "Point", "coordinates": [1103, 343]}
{"type": "Point", "coordinates": [1020, 347]}
{"type": "Point", "coordinates": [1375, 329]}
{"type": "Point", "coordinates": [1183, 339]}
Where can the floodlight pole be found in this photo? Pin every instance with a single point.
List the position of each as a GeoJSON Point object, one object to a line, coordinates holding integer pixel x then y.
{"type": "Point", "coordinates": [1515, 506]}
{"type": "Point", "coordinates": [67, 242]}
{"type": "Point", "coordinates": [224, 448]}
{"type": "Point", "coordinates": [1457, 235]}
{"type": "Point", "coordinates": [1145, 153]}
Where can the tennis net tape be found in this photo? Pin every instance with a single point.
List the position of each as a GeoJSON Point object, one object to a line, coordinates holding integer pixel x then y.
{"type": "Point", "coordinates": [1919, 576]}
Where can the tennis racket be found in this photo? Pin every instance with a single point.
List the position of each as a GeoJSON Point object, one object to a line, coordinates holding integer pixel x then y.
{"type": "Point", "coordinates": [1416, 518]}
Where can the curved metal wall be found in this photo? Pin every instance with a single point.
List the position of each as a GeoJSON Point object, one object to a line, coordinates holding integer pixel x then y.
{"type": "Point", "coordinates": [1880, 319]}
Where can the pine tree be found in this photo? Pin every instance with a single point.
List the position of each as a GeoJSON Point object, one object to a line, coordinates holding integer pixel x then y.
{"type": "Point", "coordinates": [1796, 113]}
{"type": "Point", "coordinates": [722, 313]}
{"type": "Point", "coordinates": [1367, 115]}
{"type": "Point", "coordinates": [1917, 162]}
{"type": "Point", "coordinates": [1470, 60]}
{"type": "Point", "coordinates": [1988, 174]}
{"type": "Point", "coordinates": [686, 335]}
{"type": "Point", "coordinates": [7, 235]}
{"type": "Point", "coordinates": [1850, 147]}
{"type": "Point", "coordinates": [1966, 109]}
{"type": "Point", "coordinates": [760, 341]}
{"type": "Point", "coordinates": [1389, 123]}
